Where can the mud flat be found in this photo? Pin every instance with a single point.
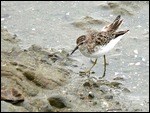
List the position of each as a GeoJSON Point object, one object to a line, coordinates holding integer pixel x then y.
{"type": "Point", "coordinates": [44, 79]}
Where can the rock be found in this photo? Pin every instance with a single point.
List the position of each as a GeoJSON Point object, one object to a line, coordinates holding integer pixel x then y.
{"type": "Point", "coordinates": [95, 85]}
{"type": "Point", "coordinates": [35, 48]}
{"type": "Point", "coordinates": [91, 95]}
{"type": "Point", "coordinates": [8, 37]}
{"type": "Point", "coordinates": [11, 95]}
{"type": "Point", "coordinates": [126, 90]}
{"type": "Point", "coordinates": [8, 41]}
{"type": "Point", "coordinates": [25, 75]}
{"type": "Point", "coordinates": [83, 23]}
{"type": "Point", "coordinates": [39, 80]}
{"type": "Point", "coordinates": [94, 103]}
{"type": "Point", "coordinates": [104, 89]}
{"type": "Point", "coordinates": [108, 97]}
{"type": "Point", "coordinates": [119, 78]}
{"type": "Point", "coordinates": [115, 84]}
{"type": "Point", "coordinates": [57, 101]}
{"type": "Point", "coordinates": [87, 84]}
{"type": "Point", "coordinates": [7, 107]}
{"type": "Point", "coordinates": [37, 105]}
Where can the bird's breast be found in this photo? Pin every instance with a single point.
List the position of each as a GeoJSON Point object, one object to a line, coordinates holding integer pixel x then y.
{"type": "Point", "coordinates": [98, 50]}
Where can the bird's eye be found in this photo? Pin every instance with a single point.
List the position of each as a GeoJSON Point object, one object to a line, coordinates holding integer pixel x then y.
{"type": "Point", "coordinates": [81, 43]}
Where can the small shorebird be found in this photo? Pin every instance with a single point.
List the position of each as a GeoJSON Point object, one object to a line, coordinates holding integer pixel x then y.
{"type": "Point", "coordinates": [96, 44]}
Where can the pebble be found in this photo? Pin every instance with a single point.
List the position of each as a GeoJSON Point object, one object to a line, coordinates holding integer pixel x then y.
{"type": "Point", "coordinates": [91, 95]}
{"type": "Point", "coordinates": [87, 84]}
{"type": "Point", "coordinates": [135, 51]}
{"type": "Point", "coordinates": [138, 63]}
{"type": "Point", "coordinates": [57, 101]}
{"type": "Point", "coordinates": [108, 97]}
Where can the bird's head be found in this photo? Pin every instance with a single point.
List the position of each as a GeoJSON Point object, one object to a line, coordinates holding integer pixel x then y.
{"type": "Point", "coordinates": [80, 40]}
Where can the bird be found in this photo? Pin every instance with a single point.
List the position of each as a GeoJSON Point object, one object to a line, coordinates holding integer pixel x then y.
{"type": "Point", "coordinates": [97, 43]}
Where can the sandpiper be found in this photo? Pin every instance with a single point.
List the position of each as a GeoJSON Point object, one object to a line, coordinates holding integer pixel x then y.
{"type": "Point", "coordinates": [96, 44]}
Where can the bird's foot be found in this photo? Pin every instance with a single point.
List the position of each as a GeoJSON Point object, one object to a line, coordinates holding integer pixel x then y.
{"type": "Point", "coordinates": [87, 73]}
{"type": "Point", "coordinates": [83, 73]}
{"type": "Point", "coordinates": [102, 76]}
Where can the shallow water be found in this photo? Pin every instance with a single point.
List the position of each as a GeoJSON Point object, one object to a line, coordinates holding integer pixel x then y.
{"type": "Point", "coordinates": [50, 24]}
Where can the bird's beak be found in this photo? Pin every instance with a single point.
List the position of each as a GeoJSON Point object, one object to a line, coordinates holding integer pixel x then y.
{"type": "Point", "coordinates": [74, 49]}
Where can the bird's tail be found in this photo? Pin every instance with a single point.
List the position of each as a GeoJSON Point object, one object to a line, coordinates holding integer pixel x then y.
{"type": "Point", "coordinates": [114, 25]}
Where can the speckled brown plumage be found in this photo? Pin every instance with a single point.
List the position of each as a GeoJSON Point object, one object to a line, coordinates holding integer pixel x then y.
{"type": "Point", "coordinates": [102, 38]}
{"type": "Point", "coordinates": [98, 43]}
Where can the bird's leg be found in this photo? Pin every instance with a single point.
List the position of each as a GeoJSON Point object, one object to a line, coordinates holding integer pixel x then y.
{"type": "Point", "coordinates": [104, 67]}
{"type": "Point", "coordinates": [88, 71]}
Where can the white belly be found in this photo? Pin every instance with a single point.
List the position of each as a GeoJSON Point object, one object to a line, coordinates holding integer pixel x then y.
{"type": "Point", "coordinates": [102, 50]}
